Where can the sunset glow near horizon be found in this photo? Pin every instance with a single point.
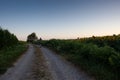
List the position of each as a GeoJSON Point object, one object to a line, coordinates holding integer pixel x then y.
{"type": "Point", "coordinates": [60, 19]}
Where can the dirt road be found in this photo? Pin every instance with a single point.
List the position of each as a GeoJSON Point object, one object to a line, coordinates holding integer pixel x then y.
{"type": "Point", "coordinates": [30, 66]}
{"type": "Point", "coordinates": [42, 64]}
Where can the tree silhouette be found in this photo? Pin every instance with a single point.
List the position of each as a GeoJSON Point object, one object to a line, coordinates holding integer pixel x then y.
{"type": "Point", "coordinates": [32, 37]}
{"type": "Point", "coordinates": [7, 38]}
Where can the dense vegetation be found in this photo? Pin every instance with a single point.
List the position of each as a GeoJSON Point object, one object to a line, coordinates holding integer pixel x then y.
{"type": "Point", "coordinates": [10, 49]}
{"type": "Point", "coordinates": [99, 56]}
{"type": "Point", "coordinates": [7, 39]}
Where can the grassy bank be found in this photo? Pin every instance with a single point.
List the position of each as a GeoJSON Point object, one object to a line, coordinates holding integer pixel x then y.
{"type": "Point", "coordinates": [102, 62]}
{"type": "Point", "coordinates": [9, 55]}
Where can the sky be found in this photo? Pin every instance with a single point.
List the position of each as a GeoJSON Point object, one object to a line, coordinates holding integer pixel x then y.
{"type": "Point", "coordinates": [60, 19]}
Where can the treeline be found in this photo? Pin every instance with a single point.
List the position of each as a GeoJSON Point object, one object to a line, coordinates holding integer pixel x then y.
{"type": "Point", "coordinates": [7, 38]}
{"type": "Point", "coordinates": [112, 41]}
{"type": "Point", "coordinates": [99, 56]}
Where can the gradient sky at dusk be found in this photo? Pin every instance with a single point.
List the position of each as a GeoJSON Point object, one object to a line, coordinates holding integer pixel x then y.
{"type": "Point", "coordinates": [63, 19]}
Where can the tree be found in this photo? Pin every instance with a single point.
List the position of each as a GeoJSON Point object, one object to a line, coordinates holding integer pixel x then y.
{"type": "Point", "coordinates": [7, 38]}
{"type": "Point", "coordinates": [32, 37]}
{"type": "Point", "coordinates": [40, 39]}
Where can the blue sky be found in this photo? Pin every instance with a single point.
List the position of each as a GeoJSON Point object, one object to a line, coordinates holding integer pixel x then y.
{"type": "Point", "coordinates": [61, 19]}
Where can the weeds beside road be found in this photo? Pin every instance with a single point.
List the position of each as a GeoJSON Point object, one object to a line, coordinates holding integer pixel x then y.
{"type": "Point", "coordinates": [10, 54]}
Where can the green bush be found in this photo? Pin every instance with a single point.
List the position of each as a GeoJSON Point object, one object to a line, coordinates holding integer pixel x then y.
{"type": "Point", "coordinates": [10, 49]}
{"type": "Point", "coordinates": [7, 39]}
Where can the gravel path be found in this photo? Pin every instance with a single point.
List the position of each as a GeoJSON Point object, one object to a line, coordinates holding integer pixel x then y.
{"type": "Point", "coordinates": [61, 69]}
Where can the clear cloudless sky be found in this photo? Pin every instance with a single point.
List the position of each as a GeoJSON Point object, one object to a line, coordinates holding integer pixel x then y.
{"type": "Point", "coordinates": [61, 19]}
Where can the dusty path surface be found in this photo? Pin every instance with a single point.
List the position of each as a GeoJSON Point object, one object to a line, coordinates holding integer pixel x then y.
{"type": "Point", "coordinates": [61, 69]}
{"type": "Point", "coordinates": [30, 66]}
